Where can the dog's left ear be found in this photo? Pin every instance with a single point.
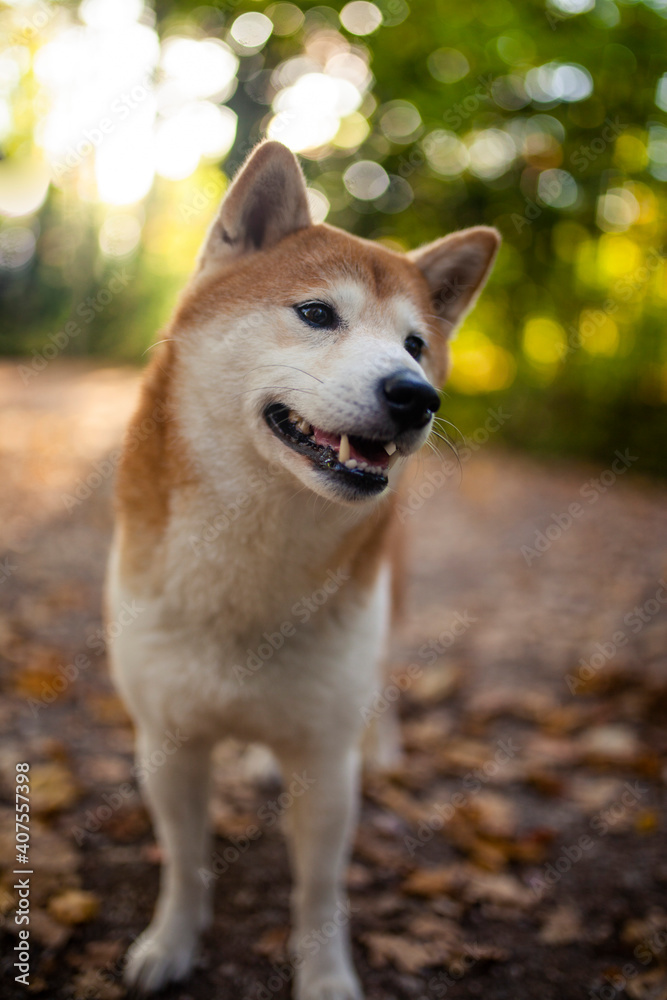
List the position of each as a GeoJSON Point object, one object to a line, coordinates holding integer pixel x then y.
{"type": "Point", "coordinates": [265, 202]}
{"type": "Point", "coordinates": [456, 268]}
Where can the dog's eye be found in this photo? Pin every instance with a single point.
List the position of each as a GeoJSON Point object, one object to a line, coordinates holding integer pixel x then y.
{"type": "Point", "coordinates": [317, 314]}
{"type": "Point", "coordinates": [414, 345]}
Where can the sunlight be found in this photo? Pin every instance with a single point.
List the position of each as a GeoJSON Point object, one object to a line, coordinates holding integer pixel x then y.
{"type": "Point", "coordinates": [309, 112]}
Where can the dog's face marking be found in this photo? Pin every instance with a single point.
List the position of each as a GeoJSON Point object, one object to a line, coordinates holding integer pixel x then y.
{"type": "Point", "coordinates": [329, 346]}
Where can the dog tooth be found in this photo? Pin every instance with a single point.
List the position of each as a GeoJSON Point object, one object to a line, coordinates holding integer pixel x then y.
{"type": "Point", "coordinates": [344, 449]}
{"type": "Point", "coordinates": [351, 463]}
{"type": "Point", "coordinates": [390, 448]}
{"type": "Point", "coordinates": [393, 459]}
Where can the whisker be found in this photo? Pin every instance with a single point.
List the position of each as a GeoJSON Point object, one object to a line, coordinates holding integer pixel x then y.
{"type": "Point", "coordinates": [262, 388]}
{"type": "Point", "coordinates": [156, 344]}
{"type": "Point", "coordinates": [442, 420]}
{"type": "Point", "coordinates": [452, 447]}
{"type": "Point", "coordinates": [445, 438]}
{"type": "Point", "coordinates": [293, 367]}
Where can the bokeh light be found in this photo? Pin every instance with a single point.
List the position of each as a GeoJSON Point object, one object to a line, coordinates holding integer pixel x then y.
{"type": "Point", "coordinates": [360, 17]}
{"type": "Point", "coordinates": [121, 120]}
{"type": "Point", "coordinates": [251, 30]}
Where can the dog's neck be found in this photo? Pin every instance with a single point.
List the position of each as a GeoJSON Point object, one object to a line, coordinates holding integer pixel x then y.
{"type": "Point", "coordinates": [244, 530]}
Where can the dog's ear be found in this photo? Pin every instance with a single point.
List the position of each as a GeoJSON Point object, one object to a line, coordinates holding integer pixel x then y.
{"type": "Point", "coordinates": [456, 268]}
{"type": "Point", "coordinates": [265, 202]}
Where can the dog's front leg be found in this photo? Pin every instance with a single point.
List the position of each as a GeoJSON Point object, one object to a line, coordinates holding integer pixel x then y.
{"type": "Point", "coordinates": [176, 789]}
{"type": "Point", "coordinates": [320, 822]}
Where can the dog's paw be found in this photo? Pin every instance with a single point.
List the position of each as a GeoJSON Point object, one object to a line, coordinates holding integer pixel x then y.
{"type": "Point", "coordinates": [336, 987]}
{"type": "Point", "coordinates": [159, 957]}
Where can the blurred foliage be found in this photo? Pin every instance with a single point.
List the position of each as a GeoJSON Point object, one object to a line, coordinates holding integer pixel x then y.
{"type": "Point", "coordinates": [544, 119]}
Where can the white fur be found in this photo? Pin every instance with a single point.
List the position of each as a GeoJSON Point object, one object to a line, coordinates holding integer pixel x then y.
{"type": "Point", "coordinates": [225, 585]}
{"type": "Point", "coordinates": [174, 666]}
{"type": "Point", "coordinates": [225, 573]}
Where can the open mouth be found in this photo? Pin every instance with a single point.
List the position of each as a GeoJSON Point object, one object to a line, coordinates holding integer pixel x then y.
{"type": "Point", "coordinates": [358, 462]}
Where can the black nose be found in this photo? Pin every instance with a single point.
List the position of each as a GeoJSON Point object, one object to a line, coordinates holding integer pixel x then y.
{"type": "Point", "coordinates": [411, 400]}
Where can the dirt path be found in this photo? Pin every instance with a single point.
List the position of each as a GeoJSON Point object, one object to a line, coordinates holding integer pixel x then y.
{"type": "Point", "coordinates": [519, 853]}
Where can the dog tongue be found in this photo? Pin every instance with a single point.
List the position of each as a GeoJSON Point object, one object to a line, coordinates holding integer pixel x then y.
{"type": "Point", "coordinates": [373, 453]}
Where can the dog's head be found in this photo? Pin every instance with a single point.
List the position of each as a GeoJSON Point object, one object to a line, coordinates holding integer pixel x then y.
{"type": "Point", "coordinates": [321, 350]}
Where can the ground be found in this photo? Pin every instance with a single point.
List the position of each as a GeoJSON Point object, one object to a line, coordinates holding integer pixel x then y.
{"type": "Point", "coordinates": [519, 850]}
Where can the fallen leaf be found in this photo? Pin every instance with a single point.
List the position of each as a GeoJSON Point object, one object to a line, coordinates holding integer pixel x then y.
{"type": "Point", "coordinates": [404, 954]}
{"type": "Point", "coordinates": [358, 877]}
{"type": "Point", "coordinates": [593, 793]}
{"type": "Point", "coordinates": [47, 931]}
{"type": "Point", "coordinates": [128, 824]}
{"type": "Point", "coordinates": [108, 709]}
{"type": "Point", "coordinates": [95, 983]}
{"type": "Point", "coordinates": [273, 944]}
{"type": "Point", "coordinates": [429, 927]}
{"type": "Point", "coordinates": [491, 702]}
{"type": "Point", "coordinates": [430, 882]}
{"type": "Point", "coordinates": [492, 813]}
{"type": "Point", "coordinates": [428, 732]}
{"type": "Point", "coordinates": [562, 926]}
{"type": "Point", "coordinates": [98, 954]}
{"type": "Point", "coordinates": [438, 682]}
{"type": "Point", "coordinates": [642, 929]}
{"type": "Point", "coordinates": [651, 985]}
{"type": "Point", "coordinates": [502, 889]}
{"type": "Point", "coordinates": [609, 744]}
{"type": "Point", "coordinates": [52, 788]}
{"type": "Point", "coordinates": [647, 821]}
{"type": "Point", "coordinates": [74, 906]}
{"type": "Point", "coordinates": [400, 802]}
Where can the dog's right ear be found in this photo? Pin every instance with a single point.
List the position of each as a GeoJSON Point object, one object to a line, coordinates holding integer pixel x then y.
{"type": "Point", "coordinates": [265, 202]}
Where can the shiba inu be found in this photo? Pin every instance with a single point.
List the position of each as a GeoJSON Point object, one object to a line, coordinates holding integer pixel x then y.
{"type": "Point", "coordinates": [255, 530]}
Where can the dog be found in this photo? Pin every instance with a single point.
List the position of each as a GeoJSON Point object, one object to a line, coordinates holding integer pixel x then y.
{"type": "Point", "coordinates": [258, 478]}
